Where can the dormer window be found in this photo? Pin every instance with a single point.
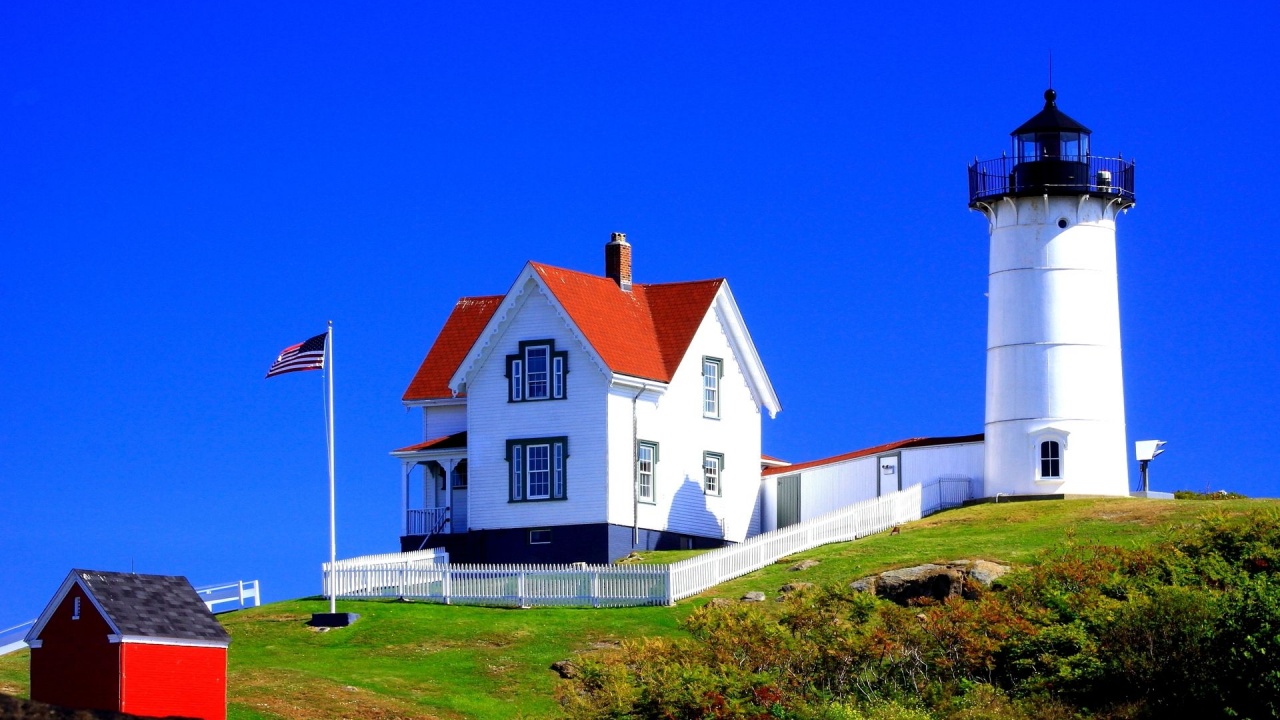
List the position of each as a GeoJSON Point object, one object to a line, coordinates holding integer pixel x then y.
{"type": "Point", "coordinates": [537, 372]}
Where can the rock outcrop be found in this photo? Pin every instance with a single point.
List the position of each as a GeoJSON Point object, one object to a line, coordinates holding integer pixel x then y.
{"type": "Point", "coordinates": [931, 581]}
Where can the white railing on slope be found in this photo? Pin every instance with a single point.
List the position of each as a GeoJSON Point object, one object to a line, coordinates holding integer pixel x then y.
{"type": "Point", "coordinates": [13, 639]}
{"type": "Point", "coordinates": [628, 585]}
{"type": "Point", "coordinates": [238, 592]}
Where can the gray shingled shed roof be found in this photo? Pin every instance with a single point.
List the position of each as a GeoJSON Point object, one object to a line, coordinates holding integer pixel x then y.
{"type": "Point", "coordinates": [160, 606]}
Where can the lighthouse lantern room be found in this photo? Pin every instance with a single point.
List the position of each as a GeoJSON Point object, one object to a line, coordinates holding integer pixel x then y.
{"type": "Point", "coordinates": [1055, 420]}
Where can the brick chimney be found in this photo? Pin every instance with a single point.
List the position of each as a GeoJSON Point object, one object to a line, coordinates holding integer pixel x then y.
{"type": "Point", "coordinates": [617, 261]}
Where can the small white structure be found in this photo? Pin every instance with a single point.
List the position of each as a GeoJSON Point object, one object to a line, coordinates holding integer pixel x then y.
{"type": "Point", "coordinates": [793, 493]}
{"type": "Point", "coordinates": [580, 417]}
{"type": "Point", "coordinates": [1055, 422]}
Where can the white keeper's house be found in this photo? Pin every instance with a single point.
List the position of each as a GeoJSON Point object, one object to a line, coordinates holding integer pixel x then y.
{"type": "Point", "coordinates": [580, 417]}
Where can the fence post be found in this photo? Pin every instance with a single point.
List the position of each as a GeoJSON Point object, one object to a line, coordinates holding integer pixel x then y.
{"type": "Point", "coordinates": [446, 584]}
{"type": "Point", "coordinates": [240, 591]}
{"type": "Point", "coordinates": [520, 586]}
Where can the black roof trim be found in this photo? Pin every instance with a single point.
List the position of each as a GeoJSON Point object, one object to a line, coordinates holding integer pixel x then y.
{"type": "Point", "coordinates": [1050, 118]}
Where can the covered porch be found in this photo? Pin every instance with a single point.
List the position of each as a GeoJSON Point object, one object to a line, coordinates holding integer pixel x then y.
{"type": "Point", "coordinates": [433, 489]}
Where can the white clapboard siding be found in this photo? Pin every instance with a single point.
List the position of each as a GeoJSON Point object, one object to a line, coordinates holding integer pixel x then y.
{"type": "Point", "coordinates": [491, 421]}
{"type": "Point", "coordinates": [630, 585]}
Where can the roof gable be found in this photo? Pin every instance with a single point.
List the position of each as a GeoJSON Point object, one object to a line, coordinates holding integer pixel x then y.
{"type": "Point", "coordinates": [644, 333]}
{"type": "Point", "coordinates": [150, 606]}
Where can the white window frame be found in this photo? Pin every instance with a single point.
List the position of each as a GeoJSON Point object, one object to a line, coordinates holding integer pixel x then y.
{"type": "Point", "coordinates": [529, 470]}
{"type": "Point", "coordinates": [1037, 440]}
{"type": "Point", "coordinates": [713, 473]}
{"type": "Point", "coordinates": [712, 372]}
{"type": "Point", "coordinates": [529, 373]}
{"type": "Point", "coordinates": [647, 478]}
{"type": "Point", "coordinates": [517, 473]}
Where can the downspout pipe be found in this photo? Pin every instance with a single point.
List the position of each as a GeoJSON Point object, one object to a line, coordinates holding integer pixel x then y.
{"type": "Point", "coordinates": [635, 469]}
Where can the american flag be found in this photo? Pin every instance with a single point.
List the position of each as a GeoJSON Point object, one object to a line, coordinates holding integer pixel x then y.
{"type": "Point", "coordinates": [307, 355]}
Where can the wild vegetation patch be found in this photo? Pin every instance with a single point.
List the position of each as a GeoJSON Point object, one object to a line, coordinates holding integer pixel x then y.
{"type": "Point", "coordinates": [1187, 627]}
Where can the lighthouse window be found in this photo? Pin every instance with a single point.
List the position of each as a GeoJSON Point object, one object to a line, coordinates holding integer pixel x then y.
{"type": "Point", "coordinates": [1071, 145]}
{"type": "Point", "coordinates": [1027, 147]}
{"type": "Point", "coordinates": [1050, 460]}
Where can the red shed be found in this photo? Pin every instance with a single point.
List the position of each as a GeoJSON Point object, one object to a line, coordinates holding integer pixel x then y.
{"type": "Point", "coordinates": [140, 644]}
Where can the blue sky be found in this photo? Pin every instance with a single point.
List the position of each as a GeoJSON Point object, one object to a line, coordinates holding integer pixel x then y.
{"type": "Point", "coordinates": [187, 189]}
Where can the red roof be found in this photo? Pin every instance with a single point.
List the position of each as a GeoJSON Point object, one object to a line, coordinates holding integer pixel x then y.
{"type": "Point", "coordinates": [456, 440]}
{"type": "Point", "coordinates": [643, 333]}
{"type": "Point", "coordinates": [908, 443]}
{"type": "Point", "coordinates": [460, 331]}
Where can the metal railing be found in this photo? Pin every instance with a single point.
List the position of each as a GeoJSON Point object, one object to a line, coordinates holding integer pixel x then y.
{"type": "Point", "coordinates": [14, 638]}
{"type": "Point", "coordinates": [427, 521]}
{"type": "Point", "coordinates": [1075, 174]}
{"type": "Point", "coordinates": [425, 577]}
{"type": "Point", "coordinates": [239, 592]}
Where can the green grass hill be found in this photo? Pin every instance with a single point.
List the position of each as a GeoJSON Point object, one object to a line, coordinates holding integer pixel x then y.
{"type": "Point", "coordinates": [417, 660]}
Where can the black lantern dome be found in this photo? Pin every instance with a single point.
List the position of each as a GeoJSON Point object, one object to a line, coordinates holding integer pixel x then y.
{"type": "Point", "coordinates": [1051, 155]}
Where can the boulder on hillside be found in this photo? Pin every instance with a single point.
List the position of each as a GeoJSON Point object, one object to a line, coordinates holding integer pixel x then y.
{"type": "Point", "coordinates": [753, 596]}
{"type": "Point", "coordinates": [803, 565]}
{"type": "Point", "coordinates": [866, 584]}
{"type": "Point", "coordinates": [936, 582]}
{"type": "Point", "coordinates": [565, 669]}
{"type": "Point", "coordinates": [959, 578]}
{"type": "Point", "coordinates": [794, 586]}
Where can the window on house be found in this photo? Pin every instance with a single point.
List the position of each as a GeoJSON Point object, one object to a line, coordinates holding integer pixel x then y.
{"type": "Point", "coordinates": [459, 475]}
{"type": "Point", "coordinates": [537, 372]}
{"type": "Point", "coordinates": [712, 369]}
{"type": "Point", "coordinates": [75, 609]}
{"type": "Point", "coordinates": [1050, 460]}
{"type": "Point", "coordinates": [712, 469]}
{"type": "Point", "coordinates": [541, 536]}
{"type": "Point", "coordinates": [538, 468]}
{"type": "Point", "coordinates": [646, 462]}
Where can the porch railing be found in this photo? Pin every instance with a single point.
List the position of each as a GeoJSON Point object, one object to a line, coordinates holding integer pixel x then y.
{"type": "Point", "coordinates": [427, 521]}
{"type": "Point", "coordinates": [433, 579]}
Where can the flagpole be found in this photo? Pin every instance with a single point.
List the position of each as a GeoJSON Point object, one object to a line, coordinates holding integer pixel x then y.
{"type": "Point", "coordinates": [333, 542]}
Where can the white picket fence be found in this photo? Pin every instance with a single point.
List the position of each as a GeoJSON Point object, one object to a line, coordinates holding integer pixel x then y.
{"type": "Point", "coordinates": [431, 578]}
{"type": "Point", "coordinates": [380, 575]}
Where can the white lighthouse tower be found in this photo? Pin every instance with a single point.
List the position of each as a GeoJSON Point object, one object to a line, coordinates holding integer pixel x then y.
{"type": "Point", "coordinates": [1055, 392]}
